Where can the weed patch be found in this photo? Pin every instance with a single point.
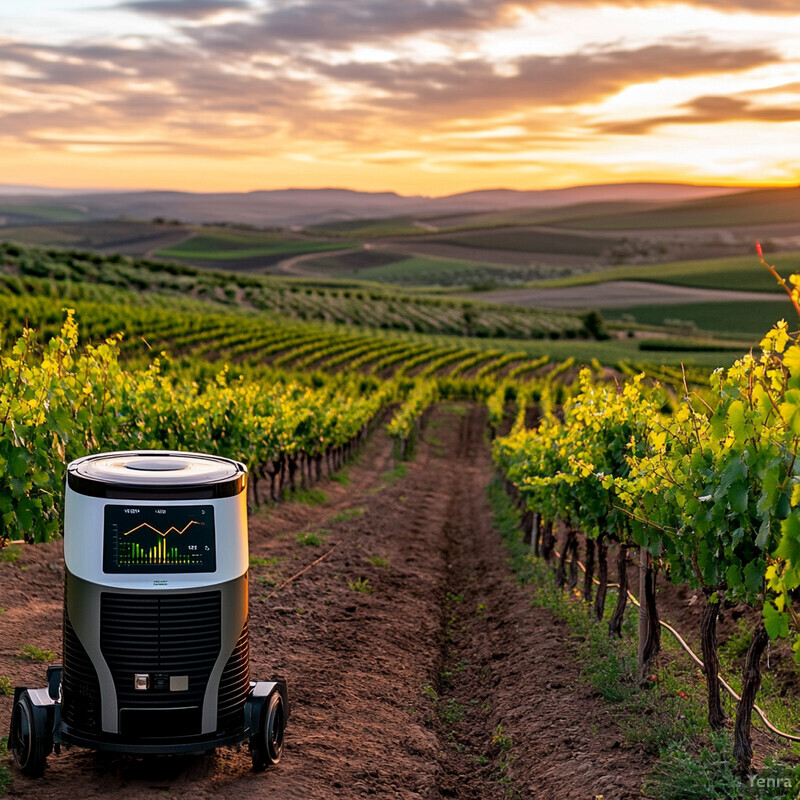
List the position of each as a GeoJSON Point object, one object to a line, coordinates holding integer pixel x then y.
{"type": "Point", "coordinates": [9, 555]}
{"type": "Point", "coordinates": [310, 497]}
{"type": "Point", "coordinates": [361, 585]}
{"type": "Point", "coordinates": [348, 513]}
{"type": "Point", "coordinates": [263, 562]}
{"type": "Point", "coordinates": [310, 538]}
{"type": "Point", "coordinates": [5, 776]}
{"type": "Point", "coordinates": [341, 477]}
{"type": "Point", "coordinates": [35, 654]}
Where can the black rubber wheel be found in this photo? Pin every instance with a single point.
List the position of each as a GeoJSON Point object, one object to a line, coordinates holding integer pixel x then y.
{"type": "Point", "coordinates": [266, 747]}
{"type": "Point", "coordinates": [30, 741]}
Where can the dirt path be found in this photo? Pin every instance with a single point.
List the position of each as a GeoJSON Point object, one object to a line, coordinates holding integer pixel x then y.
{"type": "Point", "coordinates": [397, 690]}
{"type": "Point", "coordinates": [293, 266]}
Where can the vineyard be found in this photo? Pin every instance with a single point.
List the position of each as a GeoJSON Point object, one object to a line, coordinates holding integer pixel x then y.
{"type": "Point", "coordinates": [374, 426]}
{"type": "Point", "coordinates": [359, 304]}
{"type": "Point", "coordinates": [707, 490]}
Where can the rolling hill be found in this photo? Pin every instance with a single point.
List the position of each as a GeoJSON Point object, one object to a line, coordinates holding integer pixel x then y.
{"type": "Point", "coordinates": [303, 207]}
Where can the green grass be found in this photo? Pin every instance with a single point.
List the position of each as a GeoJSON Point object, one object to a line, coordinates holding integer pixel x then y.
{"type": "Point", "coordinates": [310, 497]}
{"type": "Point", "coordinates": [5, 776]}
{"type": "Point", "coordinates": [688, 345]}
{"type": "Point", "coordinates": [745, 318]}
{"type": "Point", "coordinates": [705, 773]}
{"type": "Point", "coordinates": [377, 561]}
{"type": "Point", "coordinates": [669, 718]}
{"type": "Point", "coordinates": [10, 554]}
{"type": "Point", "coordinates": [777, 695]}
{"type": "Point", "coordinates": [741, 273]}
{"type": "Point", "coordinates": [33, 653]}
{"type": "Point", "coordinates": [43, 212]}
{"type": "Point", "coordinates": [361, 585]}
{"type": "Point", "coordinates": [342, 477]}
{"type": "Point", "coordinates": [501, 739]}
{"type": "Point", "coordinates": [396, 474]}
{"type": "Point", "coordinates": [530, 241]}
{"type": "Point", "coordinates": [263, 562]}
{"type": "Point", "coordinates": [6, 687]}
{"type": "Point", "coordinates": [348, 513]}
{"type": "Point", "coordinates": [310, 538]}
{"type": "Point", "coordinates": [226, 247]}
{"type": "Point", "coordinates": [392, 226]}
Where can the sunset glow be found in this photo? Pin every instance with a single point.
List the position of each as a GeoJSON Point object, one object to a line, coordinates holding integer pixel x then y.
{"type": "Point", "coordinates": [416, 97]}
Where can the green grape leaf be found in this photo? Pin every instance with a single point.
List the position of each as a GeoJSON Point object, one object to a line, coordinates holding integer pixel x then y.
{"type": "Point", "coordinates": [784, 506]}
{"type": "Point", "coordinates": [737, 496]}
{"type": "Point", "coordinates": [18, 463]}
{"type": "Point", "coordinates": [733, 576]}
{"type": "Point", "coordinates": [753, 576]}
{"type": "Point", "coordinates": [776, 622]}
{"type": "Point", "coordinates": [763, 535]}
{"type": "Point", "coordinates": [789, 545]}
{"type": "Point", "coordinates": [736, 419]}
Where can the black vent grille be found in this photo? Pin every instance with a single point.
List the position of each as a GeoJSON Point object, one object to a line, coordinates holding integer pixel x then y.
{"type": "Point", "coordinates": [80, 686]}
{"type": "Point", "coordinates": [160, 636]}
{"type": "Point", "coordinates": [234, 685]}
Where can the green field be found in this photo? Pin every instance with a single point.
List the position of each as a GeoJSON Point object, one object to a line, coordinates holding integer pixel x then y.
{"type": "Point", "coordinates": [43, 213]}
{"type": "Point", "coordinates": [67, 276]}
{"type": "Point", "coordinates": [759, 207]}
{"type": "Point", "coordinates": [465, 221]}
{"type": "Point", "coordinates": [742, 273]}
{"type": "Point", "coordinates": [229, 246]}
{"type": "Point", "coordinates": [530, 241]}
{"type": "Point", "coordinates": [751, 319]}
{"type": "Point", "coordinates": [535, 216]}
{"type": "Point", "coordinates": [370, 228]}
{"type": "Point", "coordinates": [112, 233]}
{"type": "Point", "coordinates": [428, 271]}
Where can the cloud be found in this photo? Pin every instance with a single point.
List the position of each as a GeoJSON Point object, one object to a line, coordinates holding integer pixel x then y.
{"type": "Point", "coordinates": [184, 9]}
{"type": "Point", "coordinates": [192, 96]}
{"type": "Point", "coordinates": [335, 23]}
{"type": "Point", "coordinates": [751, 6]}
{"type": "Point", "coordinates": [474, 86]}
{"type": "Point", "coordinates": [710, 109]}
{"type": "Point", "coordinates": [357, 20]}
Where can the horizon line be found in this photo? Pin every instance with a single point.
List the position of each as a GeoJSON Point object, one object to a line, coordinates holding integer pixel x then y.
{"type": "Point", "coordinates": [41, 190]}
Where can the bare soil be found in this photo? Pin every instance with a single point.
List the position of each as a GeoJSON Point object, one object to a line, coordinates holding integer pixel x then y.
{"type": "Point", "coordinates": [417, 667]}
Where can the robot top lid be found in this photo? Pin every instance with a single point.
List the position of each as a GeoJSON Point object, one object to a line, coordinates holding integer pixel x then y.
{"type": "Point", "coordinates": [156, 474]}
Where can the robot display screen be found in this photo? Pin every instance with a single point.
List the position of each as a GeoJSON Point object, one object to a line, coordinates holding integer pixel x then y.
{"type": "Point", "coordinates": [159, 539]}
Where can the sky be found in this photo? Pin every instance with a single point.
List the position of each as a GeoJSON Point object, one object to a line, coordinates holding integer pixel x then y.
{"type": "Point", "coordinates": [426, 97]}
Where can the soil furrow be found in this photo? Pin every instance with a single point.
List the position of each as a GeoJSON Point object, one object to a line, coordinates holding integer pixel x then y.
{"type": "Point", "coordinates": [416, 667]}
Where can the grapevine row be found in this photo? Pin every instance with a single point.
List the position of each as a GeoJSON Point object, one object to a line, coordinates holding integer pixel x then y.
{"type": "Point", "coordinates": [706, 487]}
{"type": "Point", "coordinates": [68, 402]}
{"type": "Point", "coordinates": [79, 276]}
{"type": "Point", "coordinates": [250, 340]}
